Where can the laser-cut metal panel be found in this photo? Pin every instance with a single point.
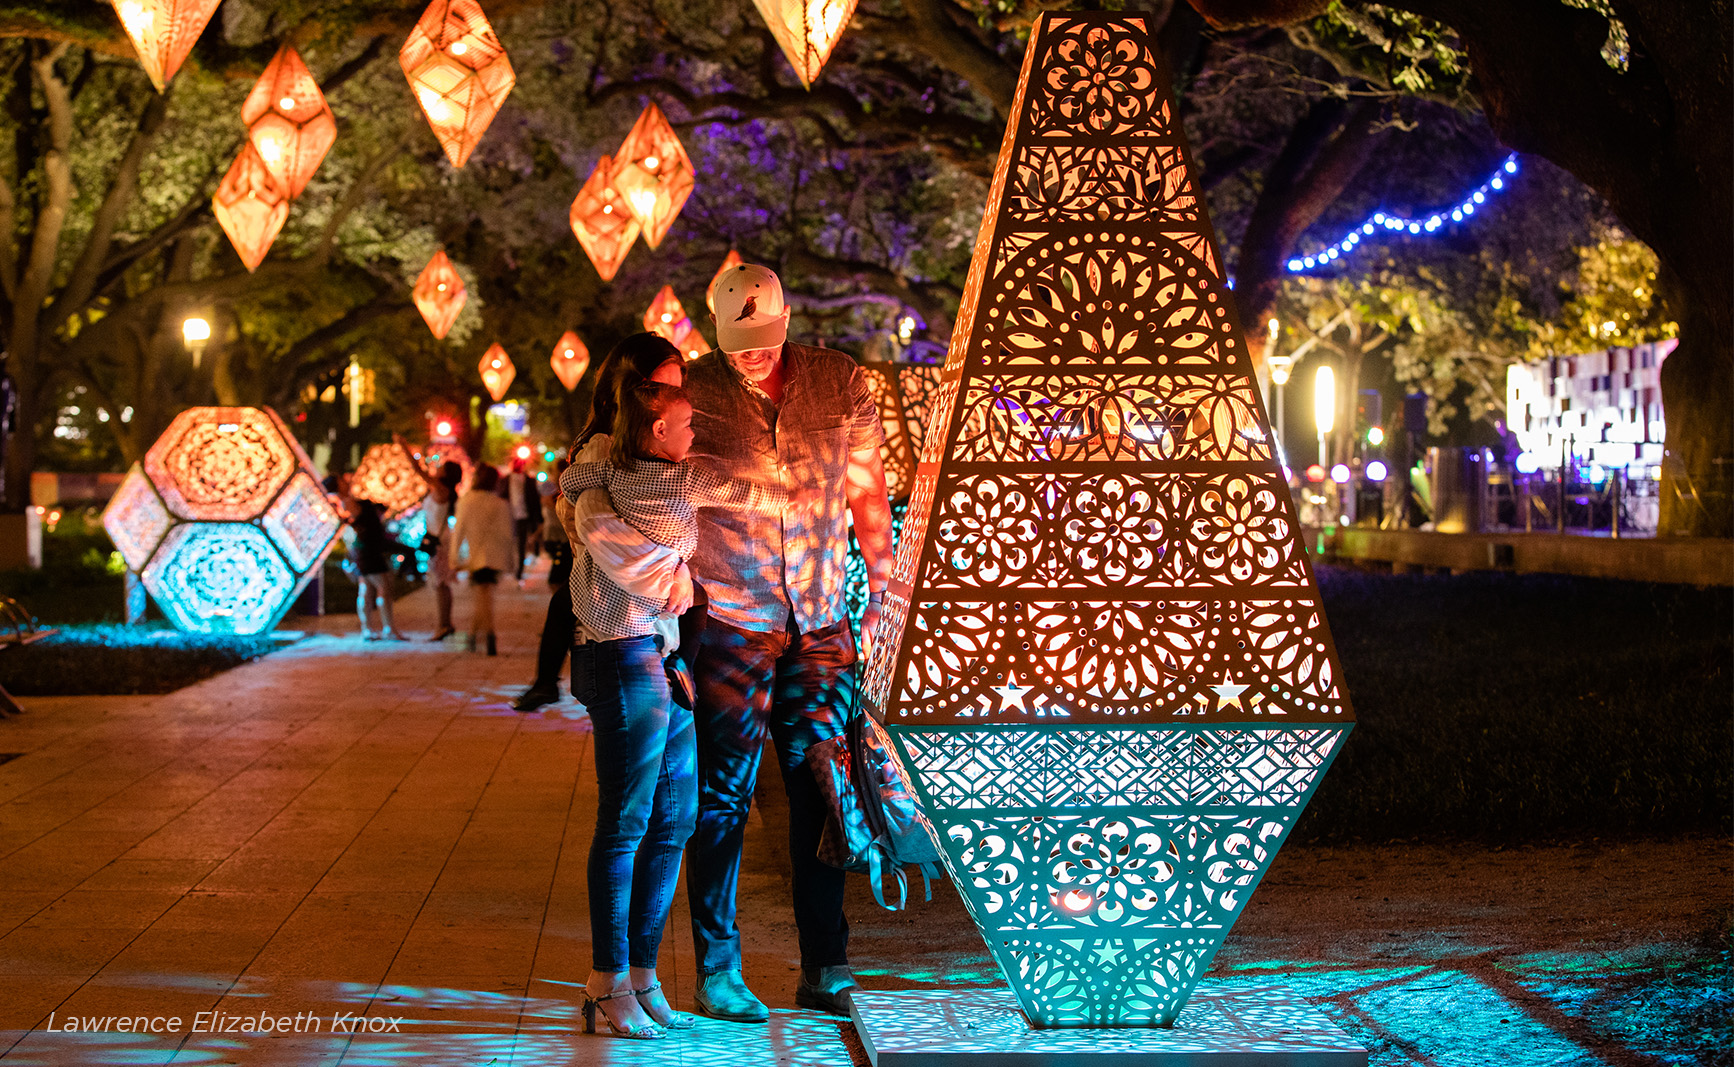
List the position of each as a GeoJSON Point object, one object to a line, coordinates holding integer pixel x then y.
{"type": "Point", "coordinates": [136, 519]}
{"type": "Point", "coordinates": [221, 577]}
{"type": "Point", "coordinates": [163, 32]}
{"type": "Point", "coordinates": [288, 121]}
{"type": "Point", "coordinates": [603, 221]}
{"type": "Point", "coordinates": [897, 453]}
{"type": "Point", "coordinates": [1104, 656]}
{"type": "Point", "coordinates": [459, 73]}
{"type": "Point", "coordinates": [301, 522]}
{"type": "Point", "coordinates": [219, 464]}
{"type": "Point", "coordinates": [390, 477]}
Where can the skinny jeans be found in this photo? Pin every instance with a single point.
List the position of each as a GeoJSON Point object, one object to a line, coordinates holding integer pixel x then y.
{"type": "Point", "coordinates": [646, 797]}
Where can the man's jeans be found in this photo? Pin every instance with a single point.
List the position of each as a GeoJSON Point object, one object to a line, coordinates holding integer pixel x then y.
{"type": "Point", "coordinates": [646, 797]}
{"type": "Point", "coordinates": [798, 687]}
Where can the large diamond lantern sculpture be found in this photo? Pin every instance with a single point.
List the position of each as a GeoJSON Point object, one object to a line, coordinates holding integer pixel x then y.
{"type": "Point", "coordinates": [666, 318]}
{"type": "Point", "coordinates": [439, 294]}
{"type": "Point", "coordinates": [390, 477]}
{"type": "Point", "coordinates": [807, 30]}
{"type": "Point", "coordinates": [1104, 655]}
{"type": "Point", "coordinates": [163, 32]}
{"type": "Point", "coordinates": [459, 73]}
{"type": "Point", "coordinates": [653, 173]}
{"type": "Point", "coordinates": [251, 206]}
{"type": "Point", "coordinates": [288, 121]}
{"type": "Point", "coordinates": [224, 520]}
{"type": "Point", "coordinates": [497, 371]}
{"type": "Point", "coordinates": [570, 360]}
{"type": "Point", "coordinates": [602, 221]}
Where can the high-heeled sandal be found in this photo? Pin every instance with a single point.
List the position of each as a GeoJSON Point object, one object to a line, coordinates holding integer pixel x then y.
{"type": "Point", "coordinates": [677, 1020]}
{"type": "Point", "coordinates": [648, 1032]}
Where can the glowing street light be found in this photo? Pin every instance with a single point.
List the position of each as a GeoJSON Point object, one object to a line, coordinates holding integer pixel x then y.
{"type": "Point", "coordinates": [196, 333]}
{"type": "Point", "coordinates": [1324, 405]}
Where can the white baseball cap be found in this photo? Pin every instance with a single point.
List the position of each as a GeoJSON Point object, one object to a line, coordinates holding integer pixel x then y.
{"type": "Point", "coordinates": [750, 312]}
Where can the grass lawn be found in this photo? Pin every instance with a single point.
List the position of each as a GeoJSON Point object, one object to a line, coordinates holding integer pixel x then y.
{"type": "Point", "coordinates": [104, 658]}
{"type": "Point", "coordinates": [1528, 706]}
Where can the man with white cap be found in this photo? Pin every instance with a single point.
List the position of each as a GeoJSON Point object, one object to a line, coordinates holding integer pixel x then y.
{"type": "Point", "coordinates": [778, 655]}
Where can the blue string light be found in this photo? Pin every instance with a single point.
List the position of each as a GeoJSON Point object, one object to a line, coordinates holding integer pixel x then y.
{"type": "Point", "coordinates": [1396, 224]}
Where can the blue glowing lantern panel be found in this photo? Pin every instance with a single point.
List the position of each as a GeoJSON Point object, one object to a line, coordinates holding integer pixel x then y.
{"type": "Point", "coordinates": [302, 522]}
{"type": "Point", "coordinates": [220, 577]}
{"type": "Point", "coordinates": [136, 519]}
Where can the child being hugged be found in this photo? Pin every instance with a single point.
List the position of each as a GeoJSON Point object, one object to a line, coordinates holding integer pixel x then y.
{"type": "Point", "coordinates": [645, 746]}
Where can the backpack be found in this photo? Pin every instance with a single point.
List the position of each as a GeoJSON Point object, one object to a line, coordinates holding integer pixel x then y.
{"type": "Point", "coordinates": [873, 823]}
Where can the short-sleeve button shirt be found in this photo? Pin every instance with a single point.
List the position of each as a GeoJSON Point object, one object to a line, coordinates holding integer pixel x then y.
{"type": "Point", "coordinates": [758, 568]}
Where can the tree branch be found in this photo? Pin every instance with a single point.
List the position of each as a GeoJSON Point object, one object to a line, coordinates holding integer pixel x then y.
{"type": "Point", "coordinates": [82, 282]}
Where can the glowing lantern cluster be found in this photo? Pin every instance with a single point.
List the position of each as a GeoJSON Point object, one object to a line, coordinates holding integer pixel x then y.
{"type": "Point", "coordinates": [497, 371]}
{"type": "Point", "coordinates": [666, 318]}
{"type": "Point", "coordinates": [459, 73]}
{"type": "Point", "coordinates": [602, 221]}
{"type": "Point", "coordinates": [439, 294]}
{"type": "Point", "coordinates": [288, 121]}
{"type": "Point", "coordinates": [570, 360]}
{"type": "Point", "coordinates": [390, 477]}
{"type": "Point", "coordinates": [807, 31]}
{"type": "Point", "coordinates": [653, 173]}
{"type": "Point", "coordinates": [224, 521]}
{"type": "Point", "coordinates": [733, 259]}
{"type": "Point", "coordinates": [163, 32]}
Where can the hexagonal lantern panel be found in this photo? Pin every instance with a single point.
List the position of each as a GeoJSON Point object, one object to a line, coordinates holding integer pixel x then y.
{"type": "Point", "coordinates": [390, 477]}
{"type": "Point", "coordinates": [220, 577]}
{"type": "Point", "coordinates": [136, 519]}
{"type": "Point", "coordinates": [222, 464]}
{"type": "Point", "coordinates": [302, 522]}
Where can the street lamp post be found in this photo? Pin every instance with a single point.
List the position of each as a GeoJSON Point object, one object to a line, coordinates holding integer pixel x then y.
{"type": "Point", "coordinates": [195, 334]}
{"type": "Point", "coordinates": [1280, 369]}
{"type": "Point", "coordinates": [1325, 417]}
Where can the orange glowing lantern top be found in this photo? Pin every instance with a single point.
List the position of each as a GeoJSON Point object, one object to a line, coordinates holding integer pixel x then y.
{"type": "Point", "coordinates": [667, 319]}
{"type": "Point", "coordinates": [653, 173]}
{"type": "Point", "coordinates": [163, 32]}
{"type": "Point", "coordinates": [733, 259]}
{"type": "Point", "coordinates": [250, 206]}
{"type": "Point", "coordinates": [459, 73]}
{"type": "Point", "coordinates": [439, 294]}
{"type": "Point", "coordinates": [602, 221]}
{"type": "Point", "coordinates": [807, 30]}
{"type": "Point", "coordinates": [288, 121]}
{"type": "Point", "coordinates": [570, 360]}
{"type": "Point", "coordinates": [497, 371]}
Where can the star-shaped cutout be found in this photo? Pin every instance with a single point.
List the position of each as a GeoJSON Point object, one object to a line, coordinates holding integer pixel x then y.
{"type": "Point", "coordinates": [1229, 693]}
{"type": "Point", "coordinates": [1108, 955]}
{"type": "Point", "coordinates": [1011, 693]}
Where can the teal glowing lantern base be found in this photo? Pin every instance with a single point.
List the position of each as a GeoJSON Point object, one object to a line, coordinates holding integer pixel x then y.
{"type": "Point", "coordinates": [224, 522]}
{"type": "Point", "coordinates": [1104, 661]}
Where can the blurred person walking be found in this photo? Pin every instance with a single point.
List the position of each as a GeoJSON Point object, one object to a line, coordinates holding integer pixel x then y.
{"type": "Point", "coordinates": [519, 491]}
{"type": "Point", "coordinates": [374, 549]}
{"type": "Point", "coordinates": [557, 627]}
{"type": "Point", "coordinates": [436, 509]}
{"type": "Point", "coordinates": [482, 536]}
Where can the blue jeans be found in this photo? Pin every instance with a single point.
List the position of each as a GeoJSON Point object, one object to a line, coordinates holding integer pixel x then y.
{"type": "Point", "coordinates": [797, 688]}
{"type": "Point", "coordinates": [646, 797]}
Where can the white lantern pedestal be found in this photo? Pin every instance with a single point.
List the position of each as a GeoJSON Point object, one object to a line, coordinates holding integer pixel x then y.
{"type": "Point", "coordinates": [1268, 1026]}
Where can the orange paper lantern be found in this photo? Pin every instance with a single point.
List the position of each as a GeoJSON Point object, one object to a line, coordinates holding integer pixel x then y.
{"type": "Point", "coordinates": [497, 371]}
{"type": "Point", "coordinates": [666, 318]}
{"type": "Point", "coordinates": [163, 32]}
{"type": "Point", "coordinates": [602, 221]}
{"type": "Point", "coordinates": [439, 294]}
{"type": "Point", "coordinates": [250, 206]}
{"type": "Point", "coordinates": [570, 360]}
{"type": "Point", "coordinates": [288, 121]}
{"type": "Point", "coordinates": [459, 73]}
{"type": "Point", "coordinates": [653, 173]}
{"type": "Point", "coordinates": [733, 259]}
{"type": "Point", "coordinates": [807, 30]}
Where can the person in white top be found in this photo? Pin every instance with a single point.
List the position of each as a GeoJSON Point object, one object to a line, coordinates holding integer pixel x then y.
{"type": "Point", "coordinates": [437, 508]}
{"type": "Point", "coordinates": [482, 537]}
{"type": "Point", "coordinates": [526, 505]}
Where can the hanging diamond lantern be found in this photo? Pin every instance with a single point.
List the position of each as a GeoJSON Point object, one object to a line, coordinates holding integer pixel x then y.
{"type": "Point", "coordinates": [807, 31]}
{"type": "Point", "coordinates": [497, 371]}
{"type": "Point", "coordinates": [250, 206]}
{"type": "Point", "coordinates": [288, 121]}
{"type": "Point", "coordinates": [163, 32]}
{"type": "Point", "coordinates": [653, 173]}
{"type": "Point", "coordinates": [459, 73]}
{"type": "Point", "coordinates": [602, 221]}
{"type": "Point", "coordinates": [570, 360]}
{"type": "Point", "coordinates": [667, 319]}
{"type": "Point", "coordinates": [733, 259]}
{"type": "Point", "coordinates": [439, 294]}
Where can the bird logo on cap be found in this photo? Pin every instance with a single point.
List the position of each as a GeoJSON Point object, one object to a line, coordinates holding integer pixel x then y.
{"type": "Point", "coordinates": [748, 309]}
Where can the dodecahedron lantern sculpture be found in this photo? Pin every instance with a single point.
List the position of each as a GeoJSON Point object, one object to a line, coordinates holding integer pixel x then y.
{"type": "Point", "coordinates": [666, 318]}
{"type": "Point", "coordinates": [250, 206]}
{"type": "Point", "coordinates": [459, 73]}
{"type": "Point", "coordinates": [807, 30]}
{"type": "Point", "coordinates": [288, 121]}
{"type": "Point", "coordinates": [603, 221]}
{"type": "Point", "coordinates": [570, 360]}
{"type": "Point", "coordinates": [1104, 657]}
{"type": "Point", "coordinates": [163, 32]}
{"type": "Point", "coordinates": [918, 385]}
{"type": "Point", "coordinates": [390, 477]}
{"type": "Point", "coordinates": [730, 261]}
{"type": "Point", "coordinates": [898, 451]}
{"type": "Point", "coordinates": [439, 294]}
{"type": "Point", "coordinates": [653, 173]}
{"type": "Point", "coordinates": [497, 371]}
{"type": "Point", "coordinates": [224, 520]}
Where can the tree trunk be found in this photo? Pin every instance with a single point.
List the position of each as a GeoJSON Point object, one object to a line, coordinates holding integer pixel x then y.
{"type": "Point", "coordinates": [1697, 399]}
